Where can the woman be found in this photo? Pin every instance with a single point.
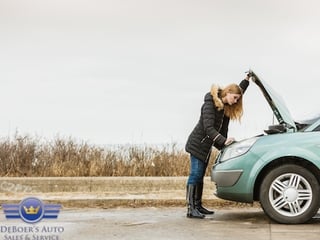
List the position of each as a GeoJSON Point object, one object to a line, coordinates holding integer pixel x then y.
{"type": "Point", "coordinates": [220, 105]}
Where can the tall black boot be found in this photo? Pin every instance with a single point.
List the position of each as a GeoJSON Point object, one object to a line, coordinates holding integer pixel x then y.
{"type": "Point", "coordinates": [198, 200]}
{"type": "Point", "coordinates": [193, 212]}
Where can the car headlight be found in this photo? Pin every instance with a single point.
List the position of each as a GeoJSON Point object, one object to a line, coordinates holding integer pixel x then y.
{"type": "Point", "coordinates": [237, 149]}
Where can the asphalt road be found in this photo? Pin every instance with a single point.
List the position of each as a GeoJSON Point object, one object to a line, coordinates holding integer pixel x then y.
{"type": "Point", "coordinates": [156, 223]}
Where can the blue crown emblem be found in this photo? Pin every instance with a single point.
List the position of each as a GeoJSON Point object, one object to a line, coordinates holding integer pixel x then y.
{"type": "Point", "coordinates": [31, 210]}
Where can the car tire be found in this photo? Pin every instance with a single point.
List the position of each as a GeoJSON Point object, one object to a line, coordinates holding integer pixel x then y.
{"type": "Point", "coordinates": [290, 194]}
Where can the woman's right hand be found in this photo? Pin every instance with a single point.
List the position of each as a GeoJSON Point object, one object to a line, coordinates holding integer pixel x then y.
{"type": "Point", "coordinates": [229, 141]}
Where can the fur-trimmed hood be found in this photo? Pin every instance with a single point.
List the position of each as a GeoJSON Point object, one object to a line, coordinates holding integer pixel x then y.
{"type": "Point", "coordinates": [215, 96]}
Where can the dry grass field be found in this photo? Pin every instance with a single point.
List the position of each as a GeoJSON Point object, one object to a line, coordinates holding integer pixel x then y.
{"type": "Point", "coordinates": [31, 157]}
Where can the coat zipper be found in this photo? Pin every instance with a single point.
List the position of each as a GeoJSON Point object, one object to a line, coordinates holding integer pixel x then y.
{"type": "Point", "coordinates": [209, 153]}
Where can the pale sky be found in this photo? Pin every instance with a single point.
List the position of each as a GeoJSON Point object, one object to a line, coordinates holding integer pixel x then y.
{"type": "Point", "coordinates": [136, 71]}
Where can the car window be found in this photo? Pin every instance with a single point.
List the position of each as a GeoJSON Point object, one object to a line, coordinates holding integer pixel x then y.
{"type": "Point", "coordinates": [301, 126]}
{"type": "Point", "coordinates": [317, 128]}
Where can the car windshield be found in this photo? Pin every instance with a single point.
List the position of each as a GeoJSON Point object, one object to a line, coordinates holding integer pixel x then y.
{"type": "Point", "coordinates": [303, 124]}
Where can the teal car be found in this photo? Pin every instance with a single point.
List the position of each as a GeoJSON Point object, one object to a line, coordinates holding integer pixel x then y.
{"type": "Point", "coordinates": [279, 168]}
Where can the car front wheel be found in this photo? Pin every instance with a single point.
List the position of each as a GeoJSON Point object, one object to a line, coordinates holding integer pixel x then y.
{"type": "Point", "coordinates": [290, 194]}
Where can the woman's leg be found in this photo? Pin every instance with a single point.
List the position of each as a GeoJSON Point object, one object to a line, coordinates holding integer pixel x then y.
{"type": "Point", "coordinates": [195, 178]}
{"type": "Point", "coordinates": [197, 170]}
{"type": "Point", "coordinates": [198, 194]}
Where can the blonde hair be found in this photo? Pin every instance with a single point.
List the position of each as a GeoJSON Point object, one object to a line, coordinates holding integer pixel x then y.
{"type": "Point", "coordinates": [235, 111]}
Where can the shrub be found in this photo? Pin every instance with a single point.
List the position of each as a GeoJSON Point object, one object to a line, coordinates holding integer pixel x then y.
{"type": "Point", "coordinates": [28, 156]}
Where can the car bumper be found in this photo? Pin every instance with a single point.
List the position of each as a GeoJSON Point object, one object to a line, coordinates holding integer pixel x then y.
{"type": "Point", "coordinates": [226, 178]}
{"type": "Point", "coordinates": [235, 178]}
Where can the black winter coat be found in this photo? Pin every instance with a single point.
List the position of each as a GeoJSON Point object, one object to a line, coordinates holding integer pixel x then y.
{"type": "Point", "coordinates": [212, 127]}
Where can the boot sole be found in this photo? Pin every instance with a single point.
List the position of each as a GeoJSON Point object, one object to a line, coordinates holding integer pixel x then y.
{"type": "Point", "coordinates": [191, 216]}
{"type": "Point", "coordinates": [211, 213]}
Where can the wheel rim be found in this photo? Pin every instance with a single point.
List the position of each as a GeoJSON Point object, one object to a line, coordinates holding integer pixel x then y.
{"type": "Point", "coordinates": [290, 194]}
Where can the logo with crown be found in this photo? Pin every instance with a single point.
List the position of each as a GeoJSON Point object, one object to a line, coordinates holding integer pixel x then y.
{"type": "Point", "coordinates": [31, 210]}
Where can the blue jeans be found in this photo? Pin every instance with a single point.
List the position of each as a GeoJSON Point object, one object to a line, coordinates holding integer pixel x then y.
{"type": "Point", "coordinates": [197, 170]}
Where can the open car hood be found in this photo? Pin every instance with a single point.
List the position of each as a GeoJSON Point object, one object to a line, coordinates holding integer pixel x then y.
{"type": "Point", "coordinates": [276, 103]}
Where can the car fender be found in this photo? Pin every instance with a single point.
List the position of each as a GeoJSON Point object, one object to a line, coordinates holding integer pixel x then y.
{"type": "Point", "coordinates": [296, 153]}
{"type": "Point", "coordinates": [291, 152]}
